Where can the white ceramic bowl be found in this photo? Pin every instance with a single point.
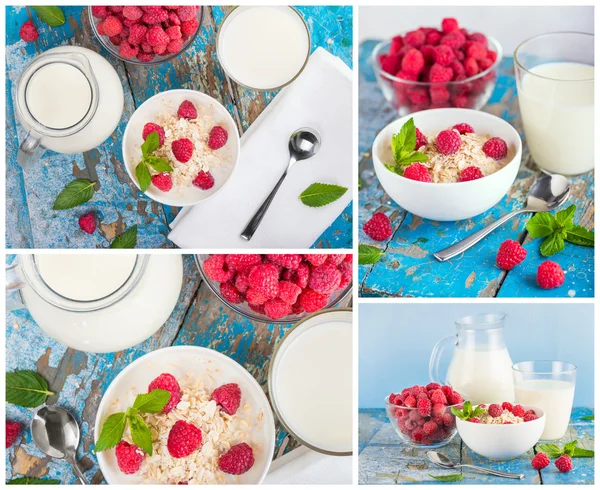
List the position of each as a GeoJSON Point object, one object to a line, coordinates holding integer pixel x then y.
{"type": "Point", "coordinates": [455, 201]}
{"type": "Point", "coordinates": [179, 361]}
{"type": "Point", "coordinates": [170, 101]}
{"type": "Point", "coordinates": [499, 441]}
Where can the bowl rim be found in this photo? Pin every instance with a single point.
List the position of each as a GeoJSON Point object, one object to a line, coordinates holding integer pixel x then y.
{"type": "Point", "coordinates": [518, 152]}
{"type": "Point", "coordinates": [135, 61]}
{"type": "Point", "coordinates": [256, 316]}
{"type": "Point", "coordinates": [200, 349]}
{"type": "Point", "coordinates": [174, 92]}
{"type": "Point", "coordinates": [530, 407]}
{"type": "Point", "coordinates": [379, 72]}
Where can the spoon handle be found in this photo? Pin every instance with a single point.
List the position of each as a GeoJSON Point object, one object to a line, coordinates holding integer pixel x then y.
{"type": "Point", "coordinates": [252, 225]}
{"type": "Point", "coordinates": [514, 476]}
{"type": "Point", "coordinates": [77, 471]}
{"type": "Point", "coordinates": [468, 242]}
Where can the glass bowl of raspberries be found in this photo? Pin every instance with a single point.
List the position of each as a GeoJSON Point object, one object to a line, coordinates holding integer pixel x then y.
{"type": "Point", "coordinates": [422, 415]}
{"type": "Point", "coordinates": [145, 35]}
{"type": "Point", "coordinates": [277, 288]}
{"type": "Point", "coordinates": [430, 68]}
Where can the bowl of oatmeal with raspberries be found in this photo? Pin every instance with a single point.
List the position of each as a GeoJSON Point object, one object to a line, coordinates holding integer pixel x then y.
{"type": "Point", "coordinates": [460, 162]}
{"type": "Point", "coordinates": [184, 415]}
{"type": "Point", "coordinates": [500, 431]}
{"type": "Point", "coordinates": [180, 147]}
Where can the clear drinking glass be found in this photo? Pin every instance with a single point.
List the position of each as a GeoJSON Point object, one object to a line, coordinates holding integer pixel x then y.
{"type": "Point", "coordinates": [549, 385]}
{"type": "Point", "coordinates": [555, 83]}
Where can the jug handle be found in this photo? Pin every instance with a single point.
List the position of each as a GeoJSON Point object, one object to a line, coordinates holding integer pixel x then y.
{"type": "Point", "coordinates": [30, 149]}
{"type": "Point", "coordinates": [436, 355]}
{"type": "Point", "coordinates": [14, 284]}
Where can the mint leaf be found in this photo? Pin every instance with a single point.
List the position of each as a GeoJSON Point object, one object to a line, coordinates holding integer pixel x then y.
{"type": "Point", "coordinates": [143, 175]}
{"type": "Point", "coordinates": [368, 254]}
{"type": "Point", "coordinates": [569, 448]}
{"type": "Point", "coordinates": [112, 431]}
{"type": "Point", "coordinates": [448, 478]}
{"type": "Point", "coordinates": [579, 452]}
{"type": "Point", "coordinates": [53, 16]}
{"type": "Point", "coordinates": [587, 417]}
{"type": "Point", "coordinates": [151, 144]}
{"type": "Point", "coordinates": [127, 239]}
{"type": "Point", "coordinates": [552, 245]}
{"type": "Point", "coordinates": [541, 225]}
{"type": "Point", "coordinates": [140, 433]}
{"type": "Point", "coordinates": [152, 402]}
{"type": "Point", "coordinates": [26, 389]}
{"type": "Point", "coordinates": [405, 140]}
{"type": "Point", "coordinates": [317, 194]}
{"type": "Point", "coordinates": [74, 194]}
{"type": "Point", "coordinates": [565, 217]}
{"type": "Point", "coordinates": [580, 236]}
{"type": "Point", "coordinates": [552, 450]}
{"type": "Point", "coordinates": [26, 480]}
{"type": "Point", "coordinates": [159, 164]}
{"type": "Point", "coordinates": [397, 169]}
{"type": "Point", "coordinates": [457, 412]}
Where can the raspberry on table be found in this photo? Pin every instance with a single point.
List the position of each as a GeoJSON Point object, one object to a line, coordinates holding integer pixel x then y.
{"type": "Point", "coordinates": [187, 110]}
{"type": "Point", "coordinates": [378, 227]}
{"type": "Point", "coordinates": [312, 301]}
{"type": "Point", "coordinates": [325, 279]}
{"type": "Point", "coordinates": [495, 148]}
{"type": "Point", "coordinates": [277, 308]}
{"type": "Point", "coordinates": [87, 222]}
{"type": "Point", "coordinates": [510, 254]}
{"type": "Point", "coordinates": [230, 293]}
{"type": "Point", "coordinates": [162, 181]}
{"type": "Point", "coordinates": [182, 149]}
{"type": "Point", "coordinates": [168, 382]}
{"type": "Point", "coordinates": [204, 180]}
{"type": "Point", "coordinates": [417, 171]}
{"type": "Point", "coordinates": [463, 128]}
{"type": "Point", "coordinates": [228, 397]}
{"type": "Point", "coordinates": [448, 142]}
{"type": "Point", "coordinates": [550, 275]}
{"type": "Point", "coordinates": [217, 138]}
{"type": "Point", "coordinates": [564, 463]}
{"type": "Point", "coordinates": [470, 173]}
{"type": "Point", "coordinates": [495, 410]}
{"type": "Point", "coordinates": [129, 457]}
{"type": "Point", "coordinates": [238, 460]}
{"type": "Point", "coordinates": [540, 461]}
{"type": "Point", "coordinates": [216, 269]}
{"type": "Point", "coordinates": [184, 438]}
{"type": "Point", "coordinates": [265, 279]}
{"type": "Point", "coordinates": [28, 32]}
{"type": "Point", "coordinates": [12, 432]}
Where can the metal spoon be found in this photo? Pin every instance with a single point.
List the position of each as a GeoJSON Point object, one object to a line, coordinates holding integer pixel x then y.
{"type": "Point", "coordinates": [548, 193]}
{"type": "Point", "coordinates": [56, 433]}
{"type": "Point", "coordinates": [303, 144]}
{"type": "Point", "coordinates": [443, 461]}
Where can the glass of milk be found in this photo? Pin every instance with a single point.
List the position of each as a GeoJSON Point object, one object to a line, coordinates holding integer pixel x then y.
{"type": "Point", "coordinates": [263, 48]}
{"type": "Point", "coordinates": [549, 385]}
{"type": "Point", "coordinates": [555, 83]}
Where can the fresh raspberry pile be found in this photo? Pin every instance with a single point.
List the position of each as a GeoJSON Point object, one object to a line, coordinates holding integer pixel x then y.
{"type": "Point", "coordinates": [423, 414]}
{"type": "Point", "coordinates": [169, 383]}
{"type": "Point", "coordinates": [438, 56]}
{"type": "Point", "coordinates": [148, 31]}
{"type": "Point", "coordinates": [12, 432]}
{"type": "Point", "coordinates": [238, 460]}
{"type": "Point", "coordinates": [129, 457]}
{"type": "Point", "coordinates": [184, 438]}
{"type": "Point", "coordinates": [279, 285]}
{"type": "Point", "coordinates": [228, 397]}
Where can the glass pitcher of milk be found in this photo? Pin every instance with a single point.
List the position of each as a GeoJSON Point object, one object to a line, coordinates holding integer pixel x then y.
{"type": "Point", "coordinates": [98, 302]}
{"type": "Point", "coordinates": [68, 100]}
{"type": "Point", "coordinates": [481, 367]}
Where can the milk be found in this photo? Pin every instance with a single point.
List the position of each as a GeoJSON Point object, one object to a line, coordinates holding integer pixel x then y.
{"type": "Point", "coordinates": [482, 375]}
{"type": "Point", "coordinates": [554, 397]}
{"type": "Point", "coordinates": [558, 116]}
{"type": "Point", "coordinates": [313, 386]}
{"type": "Point", "coordinates": [263, 47]}
{"type": "Point", "coordinates": [58, 95]}
{"type": "Point", "coordinates": [85, 277]}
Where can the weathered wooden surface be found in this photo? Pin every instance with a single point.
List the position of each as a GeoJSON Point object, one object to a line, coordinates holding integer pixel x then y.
{"type": "Point", "coordinates": [385, 459]}
{"type": "Point", "coordinates": [30, 221]}
{"type": "Point", "coordinates": [80, 379]}
{"type": "Point", "coordinates": [409, 268]}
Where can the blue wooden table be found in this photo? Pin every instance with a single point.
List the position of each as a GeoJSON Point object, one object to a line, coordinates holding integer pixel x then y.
{"type": "Point", "coordinates": [80, 379]}
{"type": "Point", "coordinates": [385, 459]}
{"type": "Point", "coordinates": [409, 268]}
{"type": "Point", "coordinates": [30, 221]}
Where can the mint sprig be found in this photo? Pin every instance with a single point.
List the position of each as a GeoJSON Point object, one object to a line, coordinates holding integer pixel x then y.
{"type": "Point", "coordinates": [26, 389]}
{"type": "Point", "coordinates": [127, 239]}
{"type": "Point", "coordinates": [368, 254]}
{"type": "Point", "coordinates": [570, 449]}
{"type": "Point", "coordinates": [317, 195]}
{"type": "Point", "coordinates": [468, 411]}
{"type": "Point", "coordinates": [403, 148]}
{"type": "Point", "coordinates": [142, 172]}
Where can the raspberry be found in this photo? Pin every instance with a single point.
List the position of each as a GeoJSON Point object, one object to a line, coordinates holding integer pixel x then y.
{"type": "Point", "coordinates": [429, 427]}
{"type": "Point", "coordinates": [241, 282]}
{"type": "Point", "coordinates": [162, 181]}
{"type": "Point", "coordinates": [151, 128]}
{"type": "Point", "coordinates": [187, 110]}
{"type": "Point", "coordinates": [265, 279]}
{"type": "Point", "coordinates": [418, 434]}
{"type": "Point", "coordinates": [495, 148]}
{"type": "Point", "coordinates": [289, 261]}
{"type": "Point", "coordinates": [116, 40]}
{"type": "Point", "coordinates": [174, 32]}
{"type": "Point", "coordinates": [184, 439]}
{"type": "Point", "coordinates": [415, 38]}
{"type": "Point", "coordinates": [540, 461]}
{"type": "Point", "coordinates": [439, 94]}
{"type": "Point", "coordinates": [132, 12]}
{"type": "Point", "coordinates": [112, 26]}
{"type": "Point", "coordinates": [312, 301]}
{"type": "Point", "coordinates": [428, 54]}
{"type": "Point", "coordinates": [437, 396]}
{"type": "Point", "coordinates": [470, 173]}
{"type": "Point", "coordinates": [564, 463]}
{"type": "Point", "coordinates": [439, 409]}
{"type": "Point", "coordinates": [228, 397]}
{"type": "Point", "coordinates": [433, 386]}
{"type": "Point", "coordinates": [115, 8]}
{"type": "Point", "coordinates": [174, 19]}
{"type": "Point", "coordinates": [253, 297]}
{"type": "Point", "coordinates": [471, 67]}
{"type": "Point", "coordinates": [478, 38]}
{"type": "Point", "coordinates": [454, 398]}
{"type": "Point", "coordinates": [137, 34]}
{"type": "Point", "coordinates": [288, 292]}
{"type": "Point", "coordinates": [99, 11]}
{"type": "Point", "coordinates": [316, 259]}
{"type": "Point", "coordinates": [146, 48]}
{"type": "Point", "coordinates": [477, 51]}
{"type": "Point", "coordinates": [238, 460]}
{"type": "Point", "coordinates": [510, 254]}
{"type": "Point", "coordinates": [413, 62]}
{"type": "Point", "coordinates": [443, 55]}
{"type": "Point", "coordinates": [528, 417]}
{"type": "Point", "coordinates": [424, 407]}
{"type": "Point", "coordinates": [217, 138]}
{"type": "Point", "coordinates": [155, 17]}
{"type": "Point", "coordinates": [410, 401]}
{"type": "Point", "coordinates": [463, 128]}
{"type": "Point", "coordinates": [335, 259]}
{"type": "Point", "coordinates": [475, 420]}
{"type": "Point", "coordinates": [518, 411]}
{"type": "Point", "coordinates": [160, 49]}
{"type": "Point", "coordinates": [28, 32]}
{"type": "Point", "coordinates": [156, 36]}
{"type": "Point", "coordinates": [230, 293]}
{"type": "Point", "coordinates": [507, 406]}
{"type": "Point", "coordinates": [417, 171]}
{"type": "Point", "coordinates": [378, 227]}
{"type": "Point", "coordinates": [204, 180]}
{"type": "Point", "coordinates": [396, 44]}
{"type": "Point", "coordinates": [189, 27]}
{"type": "Point", "coordinates": [325, 279]}
{"type": "Point", "coordinates": [175, 46]}
{"type": "Point", "coordinates": [448, 142]}
{"type": "Point", "coordinates": [100, 28]}
{"type": "Point", "coordinates": [421, 139]}
{"type": "Point", "coordinates": [182, 149]}
{"type": "Point", "coordinates": [277, 308]}
{"type": "Point", "coordinates": [449, 24]}
{"type": "Point", "coordinates": [550, 275]}
{"type": "Point", "coordinates": [455, 40]}
{"type": "Point", "coordinates": [12, 432]}
{"type": "Point", "coordinates": [169, 383]}
{"type": "Point", "coordinates": [346, 269]}
{"type": "Point", "coordinates": [440, 74]}
{"type": "Point", "coordinates": [186, 13]}
{"type": "Point", "coordinates": [127, 50]}
{"type": "Point", "coordinates": [415, 390]}
{"type": "Point", "coordinates": [418, 96]}
{"type": "Point", "coordinates": [215, 268]}
{"type": "Point", "coordinates": [242, 262]}
{"type": "Point", "coordinates": [129, 457]}
{"type": "Point", "coordinates": [495, 410]}
{"type": "Point", "coordinates": [299, 277]}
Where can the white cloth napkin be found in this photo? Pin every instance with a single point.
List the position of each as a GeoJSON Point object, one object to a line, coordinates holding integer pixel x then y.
{"type": "Point", "coordinates": [305, 466]}
{"type": "Point", "coordinates": [320, 98]}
